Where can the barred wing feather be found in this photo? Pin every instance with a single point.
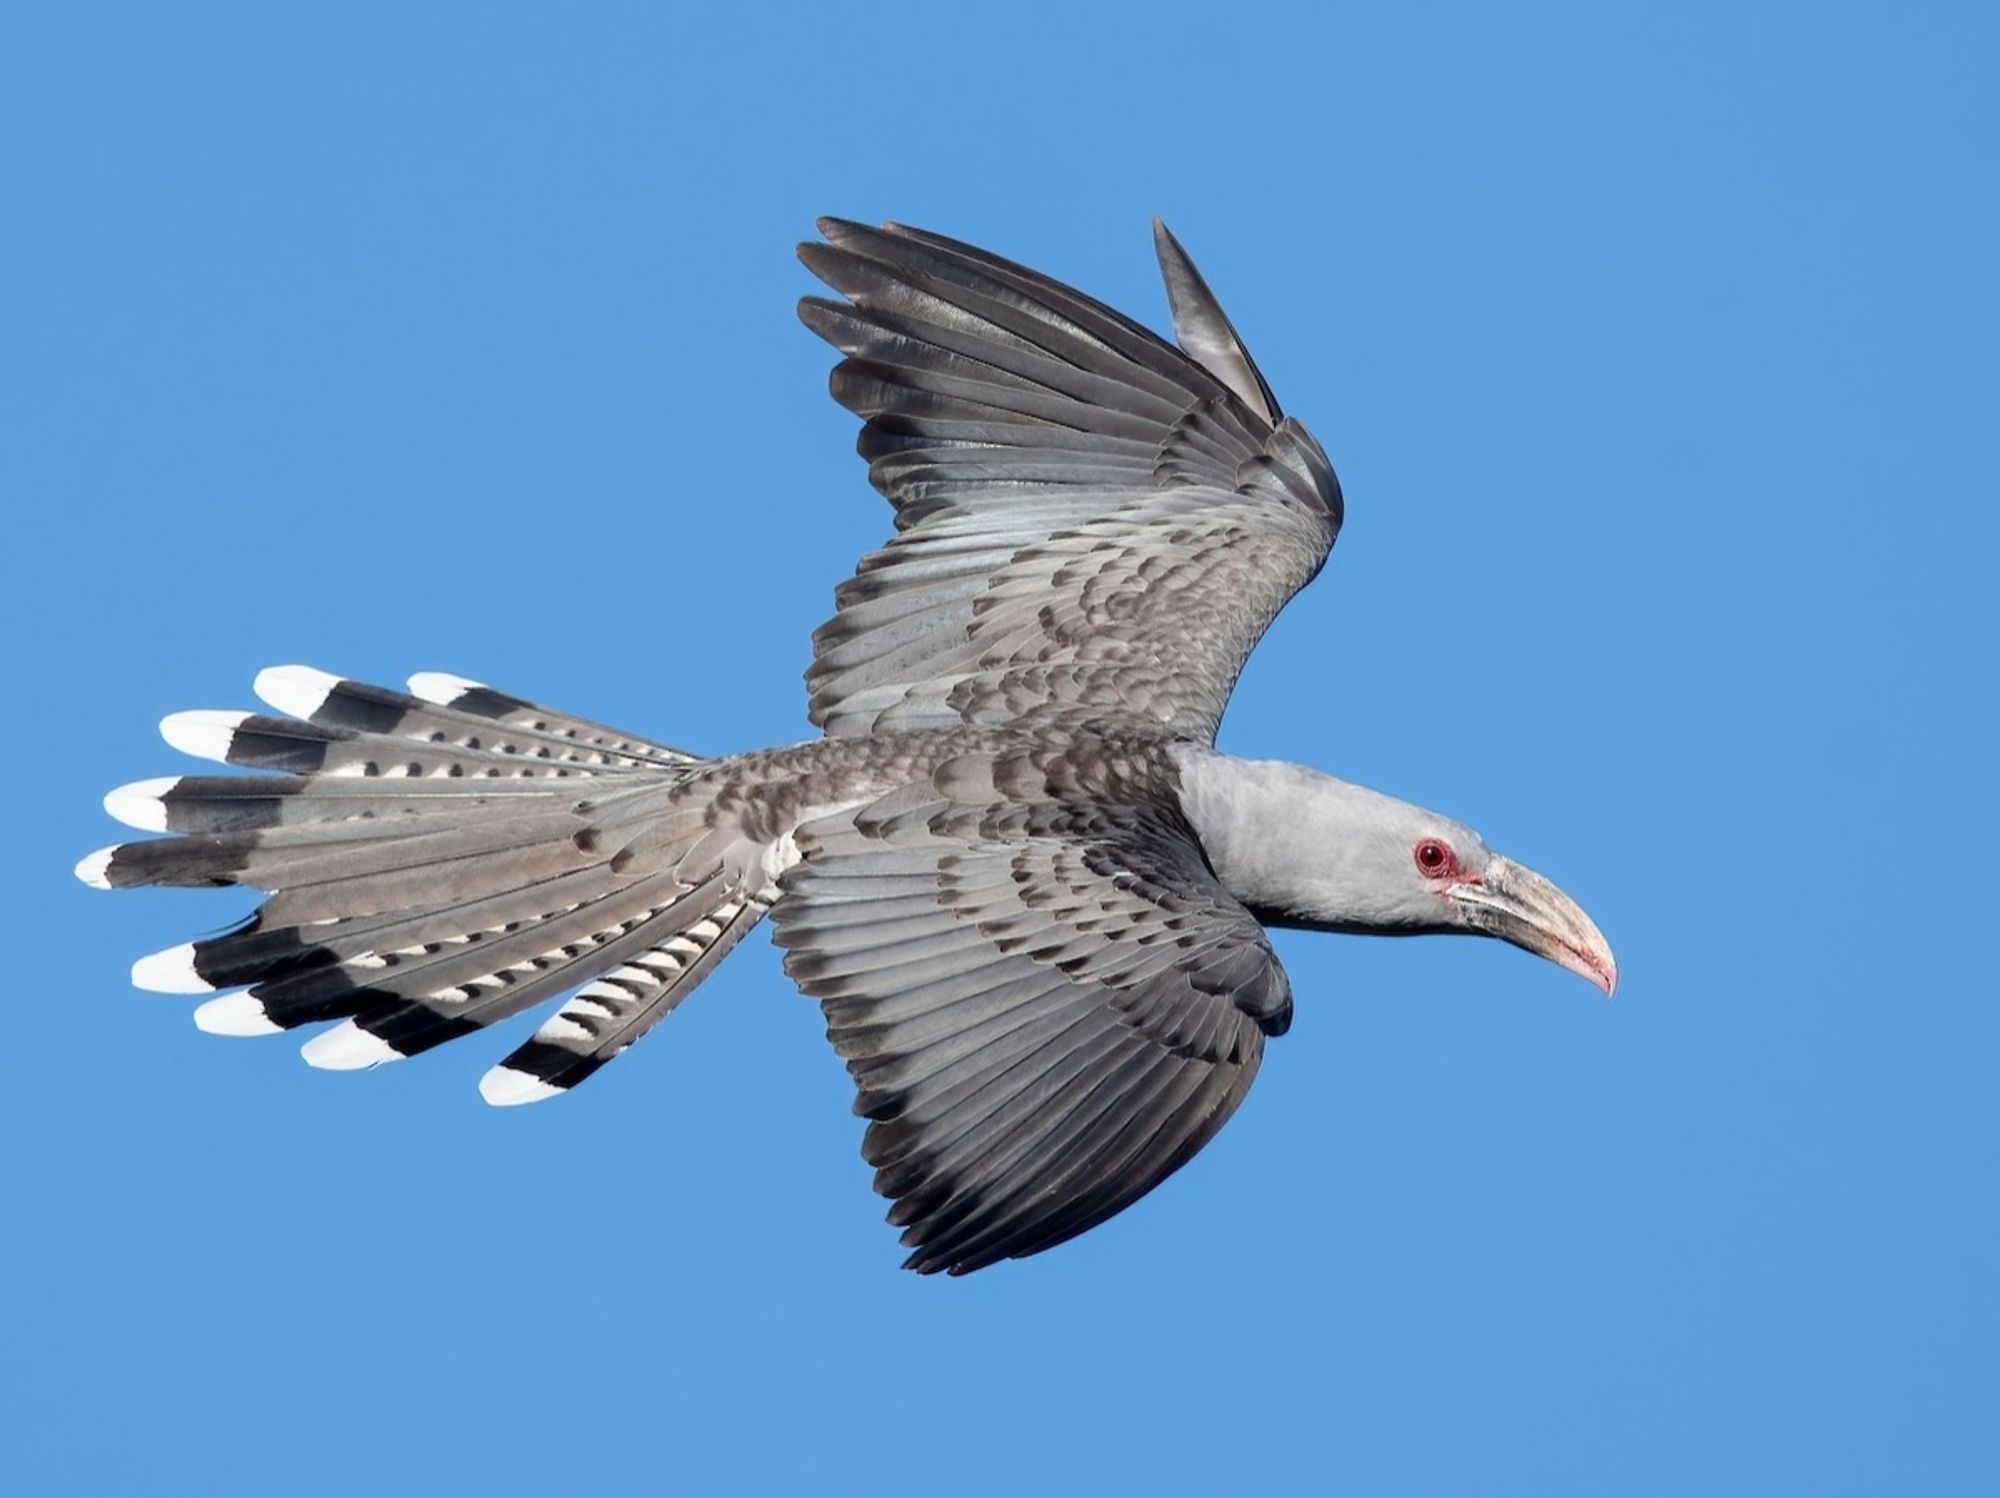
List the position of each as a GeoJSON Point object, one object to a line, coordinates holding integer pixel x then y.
{"type": "Point", "coordinates": [1088, 518]}
{"type": "Point", "coordinates": [1046, 1011]}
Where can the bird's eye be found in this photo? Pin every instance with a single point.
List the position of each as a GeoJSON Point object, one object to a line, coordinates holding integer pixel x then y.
{"type": "Point", "coordinates": [1435, 860]}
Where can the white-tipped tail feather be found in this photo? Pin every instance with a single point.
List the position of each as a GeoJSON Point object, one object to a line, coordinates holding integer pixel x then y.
{"type": "Point", "coordinates": [504, 1087]}
{"type": "Point", "coordinates": [141, 804]}
{"type": "Point", "coordinates": [297, 690]}
{"type": "Point", "coordinates": [171, 971]}
{"type": "Point", "coordinates": [235, 1014]}
{"type": "Point", "coordinates": [348, 1047]}
{"type": "Point", "coordinates": [428, 874]}
{"type": "Point", "coordinates": [204, 732]}
{"type": "Point", "coordinates": [90, 868]}
{"type": "Point", "coordinates": [441, 687]}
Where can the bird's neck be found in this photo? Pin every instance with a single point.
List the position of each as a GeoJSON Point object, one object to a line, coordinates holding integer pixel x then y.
{"type": "Point", "coordinates": [1293, 844]}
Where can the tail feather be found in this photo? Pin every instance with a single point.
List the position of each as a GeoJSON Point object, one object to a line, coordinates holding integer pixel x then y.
{"type": "Point", "coordinates": [476, 699]}
{"type": "Point", "coordinates": [435, 862]}
{"type": "Point", "coordinates": [522, 732]}
{"type": "Point", "coordinates": [323, 852]}
{"type": "Point", "coordinates": [262, 950]}
{"type": "Point", "coordinates": [258, 741]}
{"type": "Point", "coordinates": [408, 1027]}
{"type": "Point", "coordinates": [602, 1020]}
{"type": "Point", "coordinates": [249, 803]}
{"type": "Point", "coordinates": [454, 970]}
{"type": "Point", "coordinates": [493, 982]}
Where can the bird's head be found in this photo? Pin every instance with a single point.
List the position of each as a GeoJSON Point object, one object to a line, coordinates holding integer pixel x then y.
{"type": "Point", "coordinates": [1457, 879]}
{"type": "Point", "coordinates": [1306, 850]}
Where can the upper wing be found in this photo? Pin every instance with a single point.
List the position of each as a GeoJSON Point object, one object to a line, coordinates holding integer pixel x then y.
{"type": "Point", "coordinates": [1047, 1009]}
{"type": "Point", "coordinates": [1087, 517]}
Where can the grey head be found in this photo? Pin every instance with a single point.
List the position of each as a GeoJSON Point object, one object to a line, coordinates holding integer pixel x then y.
{"type": "Point", "coordinates": [1303, 849]}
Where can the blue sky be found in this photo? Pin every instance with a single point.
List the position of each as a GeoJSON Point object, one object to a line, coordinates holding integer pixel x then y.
{"type": "Point", "coordinates": [1656, 354]}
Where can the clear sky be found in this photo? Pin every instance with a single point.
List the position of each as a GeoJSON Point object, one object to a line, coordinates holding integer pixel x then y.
{"type": "Point", "coordinates": [1657, 356]}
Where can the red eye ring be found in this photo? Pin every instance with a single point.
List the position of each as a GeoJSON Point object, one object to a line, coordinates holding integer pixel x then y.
{"type": "Point", "coordinates": [1435, 860]}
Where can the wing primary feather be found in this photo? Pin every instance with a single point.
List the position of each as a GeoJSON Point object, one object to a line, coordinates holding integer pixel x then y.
{"type": "Point", "coordinates": [1204, 330]}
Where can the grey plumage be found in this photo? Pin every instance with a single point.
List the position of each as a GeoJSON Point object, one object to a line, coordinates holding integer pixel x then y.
{"type": "Point", "coordinates": [1086, 519]}
{"type": "Point", "coordinates": [1046, 1000]}
{"type": "Point", "coordinates": [603, 1018]}
{"type": "Point", "coordinates": [1024, 887]}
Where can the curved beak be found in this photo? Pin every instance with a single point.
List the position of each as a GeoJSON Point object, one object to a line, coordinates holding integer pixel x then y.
{"type": "Point", "coordinates": [1518, 905]}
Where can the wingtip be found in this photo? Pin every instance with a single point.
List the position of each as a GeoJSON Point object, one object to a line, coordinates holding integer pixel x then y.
{"type": "Point", "coordinates": [1203, 329]}
{"type": "Point", "coordinates": [171, 971]}
{"type": "Point", "coordinates": [504, 1087]}
{"type": "Point", "coordinates": [298, 691]}
{"type": "Point", "coordinates": [829, 230]}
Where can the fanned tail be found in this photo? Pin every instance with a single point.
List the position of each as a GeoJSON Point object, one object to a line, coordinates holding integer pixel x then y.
{"type": "Point", "coordinates": [436, 861]}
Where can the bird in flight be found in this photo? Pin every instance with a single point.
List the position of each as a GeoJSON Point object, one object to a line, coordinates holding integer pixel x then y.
{"type": "Point", "coordinates": [1029, 894]}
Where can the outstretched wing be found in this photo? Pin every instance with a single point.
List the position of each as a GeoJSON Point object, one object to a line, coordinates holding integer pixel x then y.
{"type": "Point", "coordinates": [1087, 517]}
{"type": "Point", "coordinates": [1048, 1009]}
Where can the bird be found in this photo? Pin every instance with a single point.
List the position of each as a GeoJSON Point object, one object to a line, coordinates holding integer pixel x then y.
{"type": "Point", "coordinates": [1030, 895]}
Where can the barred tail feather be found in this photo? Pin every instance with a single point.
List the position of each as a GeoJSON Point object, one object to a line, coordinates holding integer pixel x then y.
{"type": "Point", "coordinates": [242, 803]}
{"type": "Point", "coordinates": [475, 699]}
{"type": "Point", "coordinates": [603, 1019]}
{"type": "Point", "coordinates": [436, 861]}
